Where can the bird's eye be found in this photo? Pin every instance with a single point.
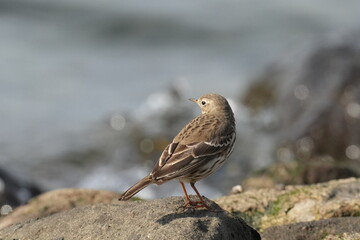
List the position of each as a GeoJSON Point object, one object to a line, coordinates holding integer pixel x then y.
{"type": "Point", "coordinates": [203, 102]}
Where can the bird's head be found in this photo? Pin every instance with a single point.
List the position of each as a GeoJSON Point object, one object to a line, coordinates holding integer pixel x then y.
{"type": "Point", "coordinates": [212, 103]}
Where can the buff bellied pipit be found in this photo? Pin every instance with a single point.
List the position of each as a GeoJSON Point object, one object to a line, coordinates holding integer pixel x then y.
{"type": "Point", "coordinates": [199, 149]}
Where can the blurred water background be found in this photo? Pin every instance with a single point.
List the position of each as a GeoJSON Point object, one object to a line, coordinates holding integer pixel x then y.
{"type": "Point", "coordinates": [92, 91]}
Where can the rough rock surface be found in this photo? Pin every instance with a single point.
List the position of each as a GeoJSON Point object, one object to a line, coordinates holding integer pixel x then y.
{"type": "Point", "coordinates": [265, 208]}
{"type": "Point", "coordinates": [334, 228]}
{"type": "Point", "coordinates": [155, 219]}
{"type": "Point", "coordinates": [57, 201]}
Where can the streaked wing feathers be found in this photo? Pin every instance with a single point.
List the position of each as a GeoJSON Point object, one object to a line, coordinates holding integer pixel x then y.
{"type": "Point", "coordinates": [205, 149]}
{"type": "Point", "coordinates": [166, 154]}
{"type": "Point", "coordinates": [171, 162]}
{"type": "Point", "coordinates": [173, 152]}
{"type": "Point", "coordinates": [183, 160]}
{"type": "Point", "coordinates": [213, 147]}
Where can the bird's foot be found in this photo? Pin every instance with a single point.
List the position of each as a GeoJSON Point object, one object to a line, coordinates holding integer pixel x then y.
{"type": "Point", "coordinates": [196, 204]}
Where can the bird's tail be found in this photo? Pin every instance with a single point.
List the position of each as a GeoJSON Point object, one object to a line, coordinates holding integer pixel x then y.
{"type": "Point", "coordinates": [136, 188]}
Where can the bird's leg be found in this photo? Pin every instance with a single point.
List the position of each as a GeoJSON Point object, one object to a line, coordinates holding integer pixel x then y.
{"type": "Point", "coordinates": [200, 203]}
{"type": "Point", "coordinates": [188, 202]}
{"type": "Point", "coordinates": [187, 199]}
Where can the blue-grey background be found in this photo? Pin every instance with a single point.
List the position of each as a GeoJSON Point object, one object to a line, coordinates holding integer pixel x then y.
{"type": "Point", "coordinates": [70, 69]}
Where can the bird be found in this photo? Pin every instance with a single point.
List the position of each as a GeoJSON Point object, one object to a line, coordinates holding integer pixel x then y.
{"type": "Point", "coordinates": [197, 151]}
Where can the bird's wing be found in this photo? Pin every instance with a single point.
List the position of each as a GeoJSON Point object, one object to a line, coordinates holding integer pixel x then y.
{"type": "Point", "coordinates": [183, 162]}
{"type": "Point", "coordinates": [181, 157]}
{"type": "Point", "coordinates": [174, 158]}
{"type": "Point", "coordinates": [214, 146]}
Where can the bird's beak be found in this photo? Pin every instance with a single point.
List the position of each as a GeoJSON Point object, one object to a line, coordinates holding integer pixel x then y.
{"type": "Point", "coordinates": [193, 100]}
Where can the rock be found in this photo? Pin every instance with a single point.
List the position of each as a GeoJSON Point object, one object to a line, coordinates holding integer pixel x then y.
{"type": "Point", "coordinates": [250, 205]}
{"type": "Point", "coordinates": [344, 236]}
{"type": "Point", "coordinates": [265, 208]}
{"type": "Point", "coordinates": [155, 219]}
{"type": "Point", "coordinates": [57, 201]}
{"type": "Point", "coordinates": [346, 228]}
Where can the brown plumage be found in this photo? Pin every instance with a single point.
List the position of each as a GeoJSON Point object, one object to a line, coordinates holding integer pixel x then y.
{"type": "Point", "coordinates": [199, 149]}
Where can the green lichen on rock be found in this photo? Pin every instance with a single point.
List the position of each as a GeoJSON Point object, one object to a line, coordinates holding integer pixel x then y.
{"type": "Point", "coordinates": [266, 208]}
{"type": "Point", "coordinates": [250, 205]}
{"type": "Point", "coordinates": [281, 204]}
{"type": "Point", "coordinates": [314, 202]}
